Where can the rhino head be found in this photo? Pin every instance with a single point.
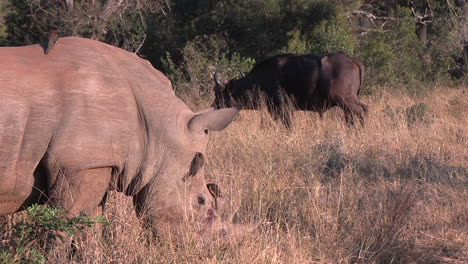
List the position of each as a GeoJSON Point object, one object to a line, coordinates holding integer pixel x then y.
{"type": "Point", "coordinates": [178, 195]}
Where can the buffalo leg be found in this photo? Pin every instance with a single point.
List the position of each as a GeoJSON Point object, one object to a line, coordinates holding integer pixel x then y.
{"type": "Point", "coordinates": [280, 109]}
{"type": "Point", "coordinates": [347, 109]}
{"type": "Point", "coordinates": [352, 108]}
{"type": "Point", "coordinates": [286, 118]}
{"type": "Point", "coordinates": [358, 109]}
{"type": "Point", "coordinates": [349, 118]}
{"type": "Point", "coordinates": [281, 114]}
{"type": "Point", "coordinates": [363, 112]}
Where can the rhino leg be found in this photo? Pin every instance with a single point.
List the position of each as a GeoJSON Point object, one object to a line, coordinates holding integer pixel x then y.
{"type": "Point", "coordinates": [81, 192]}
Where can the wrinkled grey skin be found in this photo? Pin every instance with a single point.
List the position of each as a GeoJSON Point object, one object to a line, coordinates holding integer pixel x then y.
{"type": "Point", "coordinates": [89, 118]}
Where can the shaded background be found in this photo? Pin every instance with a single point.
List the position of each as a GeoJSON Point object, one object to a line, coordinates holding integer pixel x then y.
{"type": "Point", "coordinates": [410, 44]}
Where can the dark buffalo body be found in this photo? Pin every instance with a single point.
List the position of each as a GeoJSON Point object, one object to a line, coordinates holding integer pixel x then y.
{"type": "Point", "coordinates": [313, 82]}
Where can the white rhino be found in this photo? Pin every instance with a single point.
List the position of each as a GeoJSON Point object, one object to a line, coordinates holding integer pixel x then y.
{"type": "Point", "coordinates": [88, 118]}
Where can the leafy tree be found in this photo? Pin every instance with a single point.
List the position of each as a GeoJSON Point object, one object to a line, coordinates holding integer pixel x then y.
{"type": "Point", "coordinates": [392, 57]}
{"type": "Point", "coordinates": [120, 23]}
{"type": "Point", "coordinates": [402, 42]}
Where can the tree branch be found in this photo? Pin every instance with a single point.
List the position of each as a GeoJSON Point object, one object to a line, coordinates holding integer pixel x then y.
{"type": "Point", "coordinates": [373, 17]}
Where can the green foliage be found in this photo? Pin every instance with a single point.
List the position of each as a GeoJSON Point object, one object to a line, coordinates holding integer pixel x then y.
{"type": "Point", "coordinates": [190, 39]}
{"type": "Point", "coordinates": [235, 65]}
{"type": "Point", "coordinates": [444, 45]}
{"type": "Point", "coordinates": [251, 27]}
{"type": "Point", "coordinates": [194, 74]}
{"type": "Point", "coordinates": [30, 21]}
{"type": "Point", "coordinates": [296, 44]}
{"type": "Point", "coordinates": [3, 26]}
{"type": "Point", "coordinates": [378, 56]}
{"type": "Point", "coordinates": [321, 27]}
{"type": "Point", "coordinates": [201, 58]}
{"type": "Point", "coordinates": [173, 72]}
{"type": "Point", "coordinates": [333, 35]}
{"type": "Point", "coordinates": [392, 57]}
{"type": "Point", "coordinates": [128, 30]}
{"type": "Point", "coordinates": [42, 226]}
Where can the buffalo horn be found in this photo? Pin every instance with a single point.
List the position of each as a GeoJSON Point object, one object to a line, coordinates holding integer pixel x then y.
{"type": "Point", "coordinates": [216, 78]}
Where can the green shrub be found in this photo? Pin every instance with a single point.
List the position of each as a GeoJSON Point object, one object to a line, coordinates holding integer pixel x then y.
{"type": "Point", "coordinates": [30, 21]}
{"type": "Point", "coordinates": [321, 27]}
{"type": "Point", "coordinates": [296, 44]}
{"type": "Point", "coordinates": [174, 73]}
{"type": "Point", "coordinates": [194, 74]}
{"type": "Point", "coordinates": [333, 35]}
{"type": "Point", "coordinates": [235, 65]}
{"type": "Point", "coordinates": [201, 58]}
{"type": "Point", "coordinates": [392, 57]}
{"type": "Point", "coordinates": [41, 226]}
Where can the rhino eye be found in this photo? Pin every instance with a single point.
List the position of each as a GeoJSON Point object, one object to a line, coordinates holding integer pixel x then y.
{"type": "Point", "coordinates": [201, 200]}
{"type": "Point", "coordinates": [206, 131]}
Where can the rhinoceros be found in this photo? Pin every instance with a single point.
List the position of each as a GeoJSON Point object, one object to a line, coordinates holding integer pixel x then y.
{"type": "Point", "coordinates": [89, 118]}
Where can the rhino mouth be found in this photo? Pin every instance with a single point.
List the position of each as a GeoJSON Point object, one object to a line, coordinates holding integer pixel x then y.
{"type": "Point", "coordinates": [217, 228]}
{"type": "Point", "coordinates": [211, 217]}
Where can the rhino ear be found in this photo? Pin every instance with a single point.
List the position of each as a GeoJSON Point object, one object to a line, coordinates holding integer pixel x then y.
{"type": "Point", "coordinates": [213, 120]}
{"type": "Point", "coordinates": [216, 193]}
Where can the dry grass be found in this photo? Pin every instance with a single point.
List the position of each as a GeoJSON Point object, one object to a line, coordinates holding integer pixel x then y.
{"type": "Point", "coordinates": [392, 192]}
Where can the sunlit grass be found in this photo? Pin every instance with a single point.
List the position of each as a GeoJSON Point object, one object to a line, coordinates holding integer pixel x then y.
{"type": "Point", "coordinates": [394, 191]}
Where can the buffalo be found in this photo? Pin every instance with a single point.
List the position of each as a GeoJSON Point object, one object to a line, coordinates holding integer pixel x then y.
{"type": "Point", "coordinates": [312, 82]}
{"type": "Point", "coordinates": [89, 118]}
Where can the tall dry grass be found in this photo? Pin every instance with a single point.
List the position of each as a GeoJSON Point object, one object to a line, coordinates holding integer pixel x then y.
{"type": "Point", "coordinates": [392, 192]}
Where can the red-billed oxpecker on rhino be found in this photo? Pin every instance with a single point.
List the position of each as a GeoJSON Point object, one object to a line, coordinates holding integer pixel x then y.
{"type": "Point", "coordinates": [313, 82]}
{"type": "Point", "coordinates": [88, 118]}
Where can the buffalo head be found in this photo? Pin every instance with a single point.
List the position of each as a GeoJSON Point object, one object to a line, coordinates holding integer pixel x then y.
{"type": "Point", "coordinates": [223, 93]}
{"type": "Point", "coordinates": [236, 92]}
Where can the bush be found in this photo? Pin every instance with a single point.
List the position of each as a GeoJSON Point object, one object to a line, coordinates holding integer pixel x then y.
{"type": "Point", "coordinates": [333, 35]}
{"type": "Point", "coordinates": [392, 56]}
{"type": "Point", "coordinates": [322, 27]}
{"type": "Point", "coordinates": [41, 227]}
{"type": "Point", "coordinates": [194, 75]}
{"type": "Point", "coordinates": [123, 25]}
{"type": "Point", "coordinates": [201, 58]}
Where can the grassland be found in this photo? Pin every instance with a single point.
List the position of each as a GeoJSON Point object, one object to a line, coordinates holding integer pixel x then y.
{"type": "Point", "coordinates": [392, 192]}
